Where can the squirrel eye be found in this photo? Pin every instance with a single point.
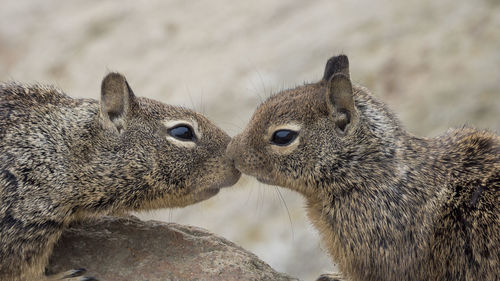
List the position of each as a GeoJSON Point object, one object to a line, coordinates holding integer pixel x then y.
{"type": "Point", "coordinates": [283, 137]}
{"type": "Point", "coordinates": [182, 132]}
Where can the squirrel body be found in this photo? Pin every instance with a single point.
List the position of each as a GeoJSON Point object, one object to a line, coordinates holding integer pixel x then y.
{"type": "Point", "coordinates": [62, 159]}
{"type": "Point", "coordinates": [387, 204]}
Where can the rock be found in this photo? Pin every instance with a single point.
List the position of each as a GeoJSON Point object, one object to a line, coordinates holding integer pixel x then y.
{"type": "Point", "coordinates": [113, 249]}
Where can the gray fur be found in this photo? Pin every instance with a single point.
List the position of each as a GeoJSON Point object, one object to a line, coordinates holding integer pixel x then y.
{"type": "Point", "coordinates": [389, 205]}
{"type": "Point", "coordinates": [62, 159]}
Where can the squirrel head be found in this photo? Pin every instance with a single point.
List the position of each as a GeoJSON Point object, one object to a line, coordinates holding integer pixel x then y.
{"type": "Point", "coordinates": [308, 137]}
{"type": "Point", "coordinates": [179, 153]}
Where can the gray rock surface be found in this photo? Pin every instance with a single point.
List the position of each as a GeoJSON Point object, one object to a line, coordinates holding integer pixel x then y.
{"type": "Point", "coordinates": [118, 249]}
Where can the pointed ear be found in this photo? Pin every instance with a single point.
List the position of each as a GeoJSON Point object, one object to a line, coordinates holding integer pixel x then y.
{"type": "Point", "coordinates": [340, 101]}
{"type": "Point", "coordinates": [116, 99]}
{"type": "Point", "coordinates": [337, 64]}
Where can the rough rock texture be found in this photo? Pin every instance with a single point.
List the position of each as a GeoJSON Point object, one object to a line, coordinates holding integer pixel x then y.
{"type": "Point", "coordinates": [114, 249]}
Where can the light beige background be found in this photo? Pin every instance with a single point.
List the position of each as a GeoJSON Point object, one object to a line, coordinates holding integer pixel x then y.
{"type": "Point", "coordinates": [436, 63]}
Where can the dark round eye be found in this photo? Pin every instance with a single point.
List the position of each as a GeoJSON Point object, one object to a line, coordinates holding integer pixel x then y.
{"type": "Point", "coordinates": [182, 132]}
{"type": "Point", "coordinates": [283, 137]}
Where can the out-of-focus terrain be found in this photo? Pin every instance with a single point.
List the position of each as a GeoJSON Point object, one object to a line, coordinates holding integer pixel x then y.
{"type": "Point", "coordinates": [436, 63]}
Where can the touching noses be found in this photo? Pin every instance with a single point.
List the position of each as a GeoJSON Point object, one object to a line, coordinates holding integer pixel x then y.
{"type": "Point", "coordinates": [232, 147]}
{"type": "Point", "coordinates": [235, 151]}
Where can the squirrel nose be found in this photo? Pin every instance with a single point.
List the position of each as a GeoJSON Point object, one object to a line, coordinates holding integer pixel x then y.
{"type": "Point", "coordinates": [232, 150]}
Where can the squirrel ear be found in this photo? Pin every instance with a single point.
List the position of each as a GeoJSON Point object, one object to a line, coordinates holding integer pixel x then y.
{"type": "Point", "coordinates": [116, 97]}
{"type": "Point", "coordinates": [340, 101]}
{"type": "Point", "coordinates": [337, 64]}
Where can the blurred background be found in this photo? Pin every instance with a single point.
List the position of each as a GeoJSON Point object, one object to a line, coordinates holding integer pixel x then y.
{"type": "Point", "coordinates": [436, 63]}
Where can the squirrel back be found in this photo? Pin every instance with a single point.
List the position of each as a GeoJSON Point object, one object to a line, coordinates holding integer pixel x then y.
{"type": "Point", "coordinates": [388, 205]}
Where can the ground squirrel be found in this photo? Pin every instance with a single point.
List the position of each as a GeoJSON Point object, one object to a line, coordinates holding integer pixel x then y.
{"type": "Point", "coordinates": [388, 205]}
{"type": "Point", "coordinates": [65, 158]}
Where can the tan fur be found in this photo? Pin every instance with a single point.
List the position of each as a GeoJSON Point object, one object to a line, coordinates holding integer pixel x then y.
{"type": "Point", "coordinates": [63, 159]}
{"type": "Point", "coordinates": [388, 205]}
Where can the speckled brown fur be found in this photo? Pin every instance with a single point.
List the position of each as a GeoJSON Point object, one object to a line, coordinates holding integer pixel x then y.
{"type": "Point", "coordinates": [63, 158]}
{"type": "Point", "coordinates": [388, 205]}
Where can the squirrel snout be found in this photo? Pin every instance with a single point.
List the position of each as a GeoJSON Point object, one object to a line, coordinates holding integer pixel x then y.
{"type": "Point", "coordinates": [235, 152]}
{"type": "Point", "coordinates": [232, 149]}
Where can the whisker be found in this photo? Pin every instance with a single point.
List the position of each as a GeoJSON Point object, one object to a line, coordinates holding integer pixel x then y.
{"type": "Point", "coordinates": [287, 211]}
{"type": "Point", "coordinates": [260, 200]}
{"type": "Point", "coordinates": [263, 87]}
{"type": "Point", "coordinates": [249, 196]}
